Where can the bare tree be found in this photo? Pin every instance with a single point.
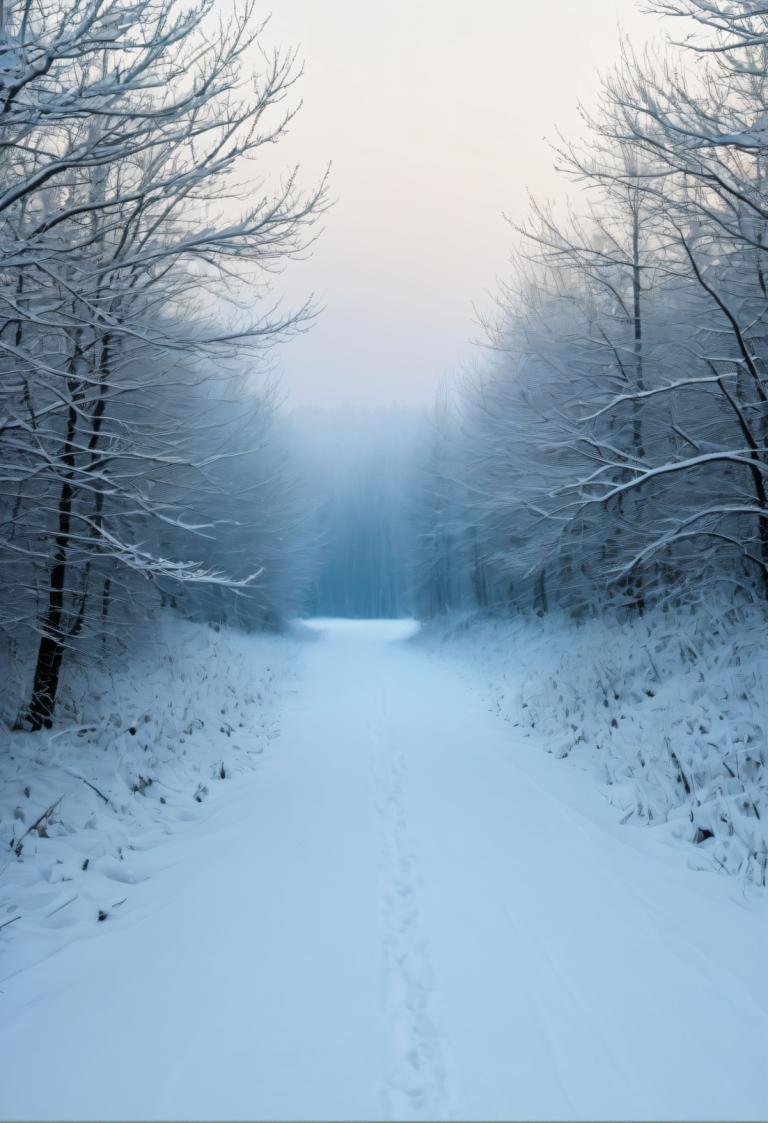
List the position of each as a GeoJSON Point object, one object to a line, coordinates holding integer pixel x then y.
{"type": "Point", "coordinates": [129, 266]}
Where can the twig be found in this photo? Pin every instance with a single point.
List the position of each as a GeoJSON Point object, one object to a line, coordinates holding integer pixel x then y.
{"type": "Point", "coordinates": [93, 787]}
{"type": "Point", "coordinates": [11, 921]}
{"type": "Point", "coordinates": [60, 907]}
{"type": "Point", "coordinates": [37, 822]}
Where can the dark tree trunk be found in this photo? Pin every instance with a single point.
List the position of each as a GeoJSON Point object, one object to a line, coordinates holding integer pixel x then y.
{"type": "Point", "coordinates": [637, 343]}
{"type": "Point", "coordinates": [51, 650]}
{"type": "Point", "coordinates": [52, 643]}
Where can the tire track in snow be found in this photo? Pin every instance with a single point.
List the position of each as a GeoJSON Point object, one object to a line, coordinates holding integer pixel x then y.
{"type": "Point", "coordinates": [415, 1076]}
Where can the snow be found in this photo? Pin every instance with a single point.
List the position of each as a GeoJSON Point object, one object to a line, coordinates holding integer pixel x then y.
{"type": "Point", "coordinates": [137, 756]}
{"type": "Point", "coordinates": [666, 712]}
{"type": "Point", "coordinates": [408, 910]}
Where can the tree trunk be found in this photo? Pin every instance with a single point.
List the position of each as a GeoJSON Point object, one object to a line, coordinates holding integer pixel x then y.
{"type": "Point", "coordinates": [637, 344]}
{"type": "Point", "coordinates": [51, 651]}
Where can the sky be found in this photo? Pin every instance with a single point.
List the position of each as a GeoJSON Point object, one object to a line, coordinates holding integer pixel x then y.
{"type": "Point", "coordinates": [435, 117]}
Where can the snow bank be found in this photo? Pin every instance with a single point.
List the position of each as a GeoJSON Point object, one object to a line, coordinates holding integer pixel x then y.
{"type": "Point", "coordinates": [667, 712]}
{"type": "Point", "coordinates": [134, 756]}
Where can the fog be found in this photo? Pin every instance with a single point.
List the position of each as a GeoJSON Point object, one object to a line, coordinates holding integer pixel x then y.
{"type": "Point", "coordinates": [436, 120]}
{"type": "Point", "coordinates": [434, 117]}
{"type": "Point", "coordinates": [359, 466]}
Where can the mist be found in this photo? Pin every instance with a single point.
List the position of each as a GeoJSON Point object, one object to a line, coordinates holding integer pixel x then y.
{"type": "Point", "coordinates": [361, 465]}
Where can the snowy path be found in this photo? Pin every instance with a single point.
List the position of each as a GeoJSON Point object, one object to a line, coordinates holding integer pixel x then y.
{"type": "Point", "coordinates": [404, 914]}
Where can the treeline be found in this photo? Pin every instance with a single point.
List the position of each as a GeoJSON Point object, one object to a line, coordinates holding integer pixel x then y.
{"type": "Point", "coordinates": [614, 451]}
{"type": "Point", "coordinates": [358, 465]}
{"type": "Point", "coordinates": [140, 457]}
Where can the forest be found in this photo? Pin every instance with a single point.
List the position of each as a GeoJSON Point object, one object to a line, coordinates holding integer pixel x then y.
{"type": "Point", "coordinates": [609, 455]}
{"type": "Point", "coordinates": [612, 451]}
{"type": "Point", "coordinates": [136, 412]}
{"type": "Point", "coordinates": [579, 519]}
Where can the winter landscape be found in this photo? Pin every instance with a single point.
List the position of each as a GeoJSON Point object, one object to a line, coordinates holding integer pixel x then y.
{"type": "Point", "coordinates": [384, 560]}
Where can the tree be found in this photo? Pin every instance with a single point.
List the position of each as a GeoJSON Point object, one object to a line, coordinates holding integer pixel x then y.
{"type": "Point", "coordinates": [617, 436]}
{"type": "Point", "coordinates": [125, 274]}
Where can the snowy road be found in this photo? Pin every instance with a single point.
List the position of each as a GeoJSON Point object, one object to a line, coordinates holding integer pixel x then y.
{"type": "Point", "coordinates": [405, 913]}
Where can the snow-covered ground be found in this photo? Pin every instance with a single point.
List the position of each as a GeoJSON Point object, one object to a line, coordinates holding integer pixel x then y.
{"type": "Point", "coordinates": [137, 753]}
{"type": "Point", "coordinates": [666, 712]}
{"type": "Point", "coordinates": [408, 910]}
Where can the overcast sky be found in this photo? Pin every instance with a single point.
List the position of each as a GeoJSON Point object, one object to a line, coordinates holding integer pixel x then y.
{"type": "Point", "coordinates": [434, 114]}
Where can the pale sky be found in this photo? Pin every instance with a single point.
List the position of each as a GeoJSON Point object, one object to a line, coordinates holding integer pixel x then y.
{"type": "Point", "coordinates": [435, 115]}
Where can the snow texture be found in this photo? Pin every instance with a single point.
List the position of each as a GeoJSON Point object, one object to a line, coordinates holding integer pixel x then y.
{"type": "Point", "coordinates": [86, 809]}
{"type": "Point", "coordinates": [666, 712]}
{"type": "Point", "coordinates": [407, 911]}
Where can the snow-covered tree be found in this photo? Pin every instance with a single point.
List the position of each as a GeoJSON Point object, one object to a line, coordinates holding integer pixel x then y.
{"type": "Point", "coordinates": [133, 245]}
{"type": "Point", "coordinates": [616, 439]}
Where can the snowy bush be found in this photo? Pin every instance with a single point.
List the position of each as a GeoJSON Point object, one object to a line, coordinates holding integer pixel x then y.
{"type": "Point", "coordinates": [132, 756]}
{"type": "Point", "coordinates": [666, 711]}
